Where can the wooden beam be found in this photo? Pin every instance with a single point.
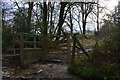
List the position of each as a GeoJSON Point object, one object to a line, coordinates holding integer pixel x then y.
{"type": "Point", "coordinates": [68, 47]}
{"type": "Point", "coordinates": [81, 48]}
{"type": "Point", "coordinates": [22, 48]}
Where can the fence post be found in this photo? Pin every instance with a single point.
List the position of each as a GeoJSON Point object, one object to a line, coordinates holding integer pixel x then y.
{"type": "Point", "coordinates": [14, 42]}
{"type": "Point", "coordinates": [34, 42]}
{"type": "Point", "coordinates": [73, 50]}
{"type": "Point", "coordinates": [78, 51]}
{"type": "Point", "coordinates": [68, 46]}
{"type": "Point", "coordinates": [22, 48]}
{"type": "Point", "coordinates": [43, 47]}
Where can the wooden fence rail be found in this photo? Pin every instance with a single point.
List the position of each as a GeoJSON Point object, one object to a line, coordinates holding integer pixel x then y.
{"type": "Point", "coordinates": [78, 46]}
{"type": "Point", "coordinates": [34, 53]}
{"type": "Point", "coordinates": [29, 55]}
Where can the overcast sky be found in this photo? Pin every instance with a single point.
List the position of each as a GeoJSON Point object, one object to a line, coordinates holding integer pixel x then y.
{"type": "Point", "coordinates": [109, 4]}
{"type": "Point", "coordinates": [109, 9]}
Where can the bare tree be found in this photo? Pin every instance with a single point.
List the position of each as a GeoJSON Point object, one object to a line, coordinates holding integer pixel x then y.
{"type": "Point", "coordinates": [28, 16]}
{"type": "Point", "coordinates": [77, 13]}
{"type": "Point", "coordinates": [86, 8]}
{"type": "Point", "coordinates": [61, 16]}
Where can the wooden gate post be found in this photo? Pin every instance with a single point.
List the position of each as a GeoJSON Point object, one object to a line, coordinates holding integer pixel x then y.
{"type": "Point", "coordinates": [43, 47]}
{"type": "Point", "coordinates": [22, 48]}
{"type": "Point", "coordinates": [78, 51]}
{"type": "Point", "coordinates": [34, 46]}
{"type": "Point", "coordinates": [73, 50]}
{"type": "Point", "coordinates": [14, 42]}
{"type": "Point", "coordinates": [68, 46]}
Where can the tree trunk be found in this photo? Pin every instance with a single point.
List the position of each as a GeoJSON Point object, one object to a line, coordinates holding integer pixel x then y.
{"type": "Point", "coordinates": [61, 19]}
{"type": "Point", "coordinates": [29, 15]}
{"type": "Point", "coordinates": [85, 9]}
{"type": "Point", "coordinates": [3, 22]}
{"type": "Point", "coordinates": [84, 30]}
{"type": "Point", "coordinates": [71, 24]}
{"type": "Point", "coordinates": [51, 22]}
{"type": "Point", "coordinates": [45, 19]}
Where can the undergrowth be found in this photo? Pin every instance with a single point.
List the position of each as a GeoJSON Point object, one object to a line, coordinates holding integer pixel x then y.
{"type": "Point", "coordinates": [104, 61]}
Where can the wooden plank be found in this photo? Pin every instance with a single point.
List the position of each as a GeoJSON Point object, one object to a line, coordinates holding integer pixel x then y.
{"type": "Point", "coordinates": [12, 49]}
{"type": "Point", "coordinates": [81, 48]}
{"type": "Point", "coordinates": [32, 48]}
{"type": "Point", "coordinates": [57, 36]}
{"type": "Point", "coordinates": [32, 35]}
{"type": "Point", "coordinates": [32, 42]}
{"type": "Point", "coordinates": [10, 55]}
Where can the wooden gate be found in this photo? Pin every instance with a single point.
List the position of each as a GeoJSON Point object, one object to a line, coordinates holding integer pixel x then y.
{"type": "Point", "coordinates": [31, 47]}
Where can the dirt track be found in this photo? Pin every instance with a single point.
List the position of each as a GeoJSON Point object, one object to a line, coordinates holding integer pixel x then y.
{"type": "Point", "coordinates": [56, 68]}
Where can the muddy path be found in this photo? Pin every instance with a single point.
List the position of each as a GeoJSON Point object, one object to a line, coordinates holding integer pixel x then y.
{"type": "Point", "coordinates": [55, 68]}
